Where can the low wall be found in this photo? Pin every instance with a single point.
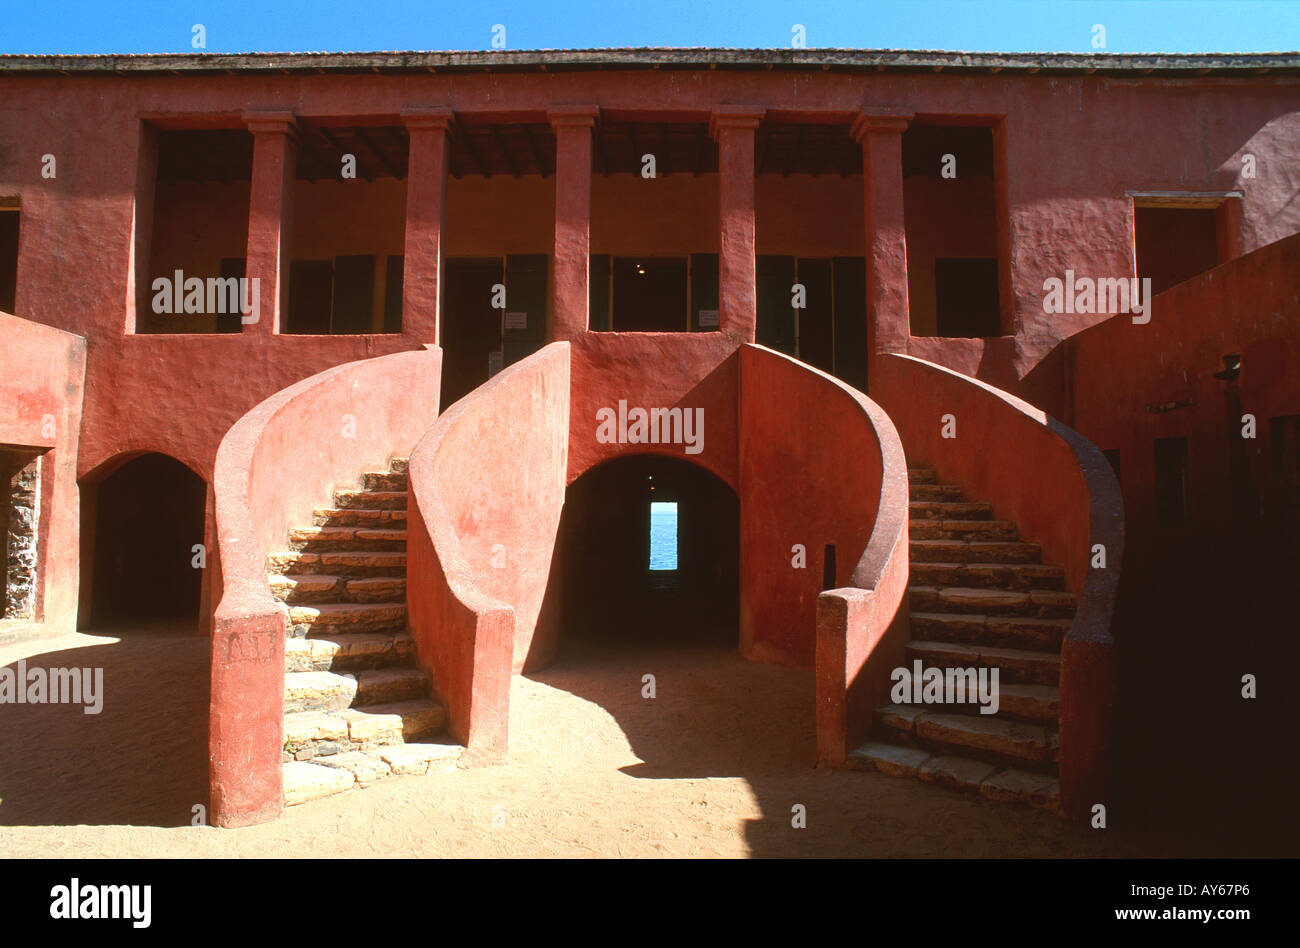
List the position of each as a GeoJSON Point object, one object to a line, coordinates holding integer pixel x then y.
{"type": "Point", "coordinates": [487, 489]}
{"type": "Point", "coordinates": [42, 382]}
{"type": "Point", "coordinates": [1060, 490]}
{"type": "Point", "coordinates": [820, 464]}
{"type": "Point", "coordinates": [274, 465]}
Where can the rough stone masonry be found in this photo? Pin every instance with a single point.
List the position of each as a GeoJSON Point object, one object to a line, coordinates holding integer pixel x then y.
{"type": "Point", "coordinates": [20, 543]}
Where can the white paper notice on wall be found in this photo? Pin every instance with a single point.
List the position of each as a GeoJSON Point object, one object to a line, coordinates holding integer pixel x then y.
{"type": "Point", "coordinates": [494, 363]}
{"type": "Point", "coordinates": [516, 320]}
{"type": "Point", "coordinates": [708, 319]}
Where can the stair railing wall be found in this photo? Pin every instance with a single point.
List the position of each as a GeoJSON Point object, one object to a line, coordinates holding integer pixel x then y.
{"type": "Point", "coordinates": [1061, 491]}
{"type": "Point", "coordinates": [278, 462]}
{"type": "Point", "coordinates": [830, 458]}
{"type": "Point", "coordinates": [487, 488]}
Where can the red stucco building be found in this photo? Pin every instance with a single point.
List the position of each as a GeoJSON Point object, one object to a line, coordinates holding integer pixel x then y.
{"type": "Point", "coordinates": [316, 349]}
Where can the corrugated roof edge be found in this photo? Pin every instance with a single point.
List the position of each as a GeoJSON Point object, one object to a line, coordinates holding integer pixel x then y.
{"type": "Point", "coordinates": [677, 57]}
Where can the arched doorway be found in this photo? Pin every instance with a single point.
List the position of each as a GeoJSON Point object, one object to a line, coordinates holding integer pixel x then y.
{"type": "Point", "coordinates": [147, 520]}
{"type": "Point", "coordinates": [650, 554]}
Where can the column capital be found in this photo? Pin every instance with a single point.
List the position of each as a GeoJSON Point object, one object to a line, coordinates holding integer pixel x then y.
{"type": "Point", "coordinates": [868, 122]}
{"type": "Point", "coordinates": [735, 116]}
{"type": "Point", "coordinates": [574, 116]}
{"type": "Point", "coordinates": [434, 116]}
{"type": "Point", "coordinates": [272, 121]}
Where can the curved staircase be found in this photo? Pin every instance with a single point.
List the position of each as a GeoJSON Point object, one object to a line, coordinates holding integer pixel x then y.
{"type": "Point", "coordinates": [979, 597]}
{"type": "Point", "coordinates": [356, 706]}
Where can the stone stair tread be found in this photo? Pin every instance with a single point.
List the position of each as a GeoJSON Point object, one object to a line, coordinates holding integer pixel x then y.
{"type": "Point", "coordinates": [311, 780]}
{"type": "Point", "coordinates": [341, 613]}
{"type": "Point", "coordinates": [976, 653]}
{"type": "Point", "coordinates": [984, 551]}
{"type": "Point", "coordinates": [357, 532]}
{"type": "Point", "coordinates": [950, 509]}
{"type": "Point", "coordinates": [983, 619]}
{"type": "Point", "coordinates": [318, 691]}
{"type": "Point", "coordinates": [1002, 784]}
{"type": "Point", "coordinates": [414, 717]}
{"type": "Point", "coordinates": [985, 732]}
{"type": "Point", "coordinates": [354, 497]}
{"type": "Point", "coordinates": [320, 651]}
{"type": "Point", "coordinates": [996, 575]}
{"type": "Point", "coordinates": [305, 781]}
{"type": "Point", "coordinates": [921, 475]}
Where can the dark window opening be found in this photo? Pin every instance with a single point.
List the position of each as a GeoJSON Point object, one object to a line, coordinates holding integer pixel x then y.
{"type": "Point", "coordinates": [8, 257]}
{"type": "Point", "coordinates": [1112, 456]}
{"type": "Point", "coordinates": [1171, 482]}
{"type": "Point", "coordinates": [951, 201]}
{"type": "Point", "coordinates": [471, 326]}
{"type": "Point", "coordinates": [354, 294]}
{"type": "Point", "coordinates": [311, 295]}
{"type": "Point", "coordinates": [393, 293]}
{"type": "Point", "coordinates": [828, 567]}
{"type": "Point", "coordinates": [649, 294]}
{"type": "Point", "coordinates": [966, 297]}
{"type": "Point", "coordinates": [193, 201]}
{"type": "Point", "coordinates": [830, 331]}
{"type": "Point", "coordinates": [1174, 244]}
{"type": "Point", "coordinates": [705, 316]}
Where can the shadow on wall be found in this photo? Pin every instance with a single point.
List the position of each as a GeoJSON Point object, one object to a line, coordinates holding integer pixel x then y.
{"type": "Point", "coordinates": [142, 761]}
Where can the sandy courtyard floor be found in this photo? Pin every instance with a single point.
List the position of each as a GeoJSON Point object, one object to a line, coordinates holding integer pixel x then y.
{"type": "Point", "coordinates": [712, 766]}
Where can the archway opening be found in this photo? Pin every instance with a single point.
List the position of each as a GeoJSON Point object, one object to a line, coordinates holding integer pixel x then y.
{"type": "Point", "coordinates": [148, 531]}
{"type": "Point", "coordinates": [650, 549]}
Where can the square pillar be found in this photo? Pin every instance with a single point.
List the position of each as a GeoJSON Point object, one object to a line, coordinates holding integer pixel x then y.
{"type": "Point", "coordinates": [573, 125]}
{"type": "Point", "coordinates": [881, 137]}
{"type": "Point", "coordinates": [733, 126]}
{"type": "Point", "coordinates": [426, 199]}
{"type": "Point", "coordinates": [270, 216]}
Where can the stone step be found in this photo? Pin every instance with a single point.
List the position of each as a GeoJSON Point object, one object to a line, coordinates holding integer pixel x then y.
{"type": "Point", "coordinates": [919, 529]}
{"type": "Point", "coordinates": [332, 691]}
{"type": "Point", "coordinates": [358, 517]}
{"type": "Point", "coordinates": [349, 539]}
{"type": "Point", "coordinates": [312, 734]}
{"type": "Point", "coordinates": [352, 498]}
{"type": "Point", "coordinates": [933, 492]}
{"type": "Point", "coordinates": [322, 777]}
{"type": "Point", "coordinates": [1043, 603]}
{"type": "Point", "coordinates": [347, 652]}
{"type": "Point", "coordinates": [297, 588]}
{"type": "Point", "coordinates": [921, 475]}
{"type": "Point", "coordinates": [336, 617]}
{"type": "Point", "coordinates": [1015, 666]}
{"type": "Point", "coordinates": [399, 464]}
{"type": "Point", "coordinates": [975, 551]}
{"type": "Point", "coordinates": [1027, 632]}
{"type": "Point", "coordinates": [352, 565]}
{"type": "Point", "coordinates": [318, 691]}
{"type": "Point", "coordinates": [1036, 704]}
{"type": "Point", "coordinates": [391, 685]}
{"type": "Point", "coordinates": [949, 510]}
{"type": "Point", "coordinates": [989, 575]}
{"type": "Point", "coordinates": [1008, 785]}
{"type": "Point", "coordinates": [988, 736]}
{"type": "Point", "coordinates": [384, 481]}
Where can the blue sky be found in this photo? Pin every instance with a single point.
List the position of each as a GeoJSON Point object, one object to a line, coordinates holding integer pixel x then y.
{"type": "Point", "coordinates": [149, 26]}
